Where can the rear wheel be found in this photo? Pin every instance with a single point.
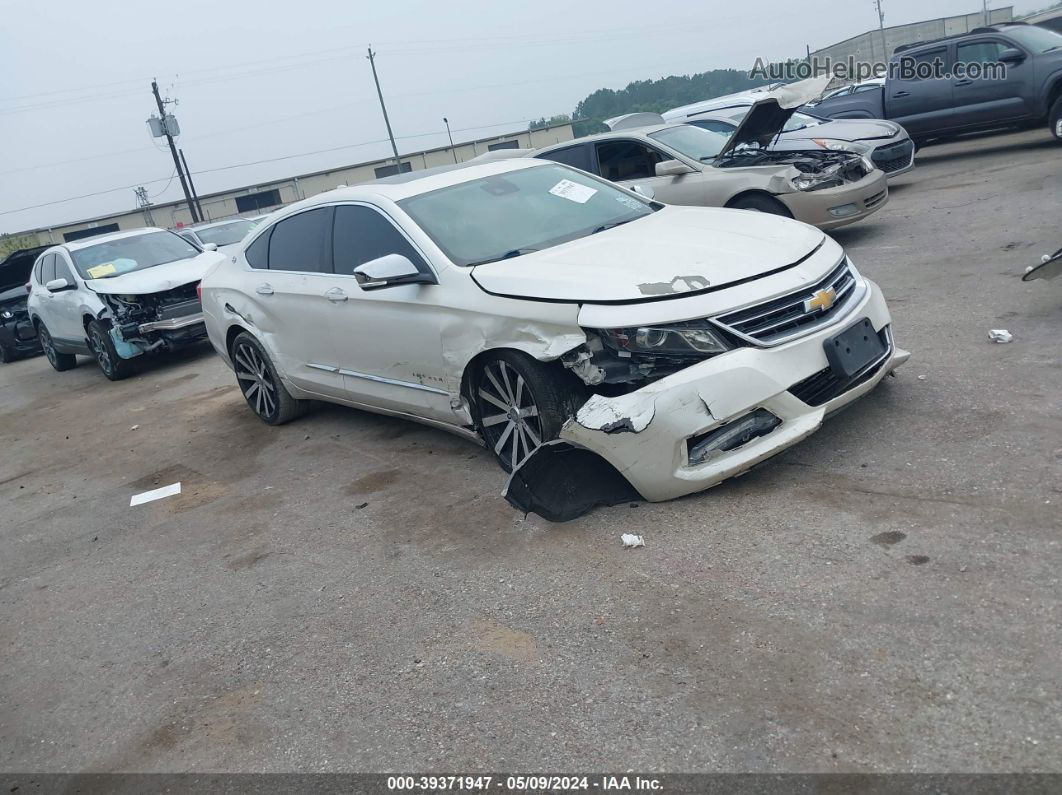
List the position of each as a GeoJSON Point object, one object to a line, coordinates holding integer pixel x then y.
{"type": "Point", "coordinates": [60, 361]}
{"type": "Point", "coordinates": [102, 346]}
{"type": "Point", "coordinates": [260, 384]}
{"type": "Point", "coordinates": [1055, 117]}
{"type": "Point", "coordinates": [760, 202]}
{"type": "Point", "coordinates": [520, 403]}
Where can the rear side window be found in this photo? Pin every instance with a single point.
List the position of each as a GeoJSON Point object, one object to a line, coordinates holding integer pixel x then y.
{"type": "Point", "coordinates": [38, 268]}
{"type": "Point", "coordinates": [257, 254]}
{"type": "Point", "coordinates": [362, 234]}
{"type": "Point", "coordinates": [574, 156]}
{"type": "Point", "coordinates": [300, 243]}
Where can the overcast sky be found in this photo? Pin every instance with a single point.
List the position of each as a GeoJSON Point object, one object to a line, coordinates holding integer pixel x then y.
{"type": "Point", "coordinates": [263, 80]}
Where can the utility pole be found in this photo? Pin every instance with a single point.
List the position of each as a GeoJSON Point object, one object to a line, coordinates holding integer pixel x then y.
{"type": "Point", "coordinates": [144, 204]}
{"type": "Point", "coordinates": [173, 151]}
{"type": "Point", "coordinates": [394, 148]}
{"type": "Point", "coordinates": [987, 15]}
{"type": "Point", "coordinates": [446, 121]}
{"type": "Point", "coordinates": [195, 196]}
{"type": "Point", "coordinates": [881, 27]}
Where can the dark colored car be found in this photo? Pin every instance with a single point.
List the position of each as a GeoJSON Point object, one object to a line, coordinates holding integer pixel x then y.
{"type": "Point", "coordinates": [952, 100]}
{"type": "Point", "coordinates": [18, 338]}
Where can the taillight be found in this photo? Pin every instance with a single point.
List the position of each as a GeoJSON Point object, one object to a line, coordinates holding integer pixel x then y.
{"type": "Point", "coordinates": [199, 292]}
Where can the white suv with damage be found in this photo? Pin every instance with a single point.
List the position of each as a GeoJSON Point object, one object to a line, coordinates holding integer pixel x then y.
{"type": "Point", "coordinates": [601, 344]}
{"type": "Point", "coordinates": [118, 297]}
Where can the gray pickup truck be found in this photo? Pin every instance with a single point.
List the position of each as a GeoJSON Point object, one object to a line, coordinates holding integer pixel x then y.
{"type": "Point", "coordinates": [952, 100]}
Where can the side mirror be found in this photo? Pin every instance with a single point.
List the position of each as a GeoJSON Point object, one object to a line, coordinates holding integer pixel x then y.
{"type": "Point", "coordinates": [1011, 55]}
{"type": "Point", "coordinates": [672, 168]}
{"type": "Point", "coordinates": [390, 270]}
{"type": "Point", "coordinates": [644, 190]}
{"type": "Point", "coordinates": [210, 247]}
{"type": "Point", "coordinates": [58, 285]}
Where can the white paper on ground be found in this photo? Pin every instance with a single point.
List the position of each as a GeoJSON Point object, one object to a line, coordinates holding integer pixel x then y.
{"type": "Point", "coordinates": [572, 191]}
{"type": "Point", "coordinates": [1000, 335]}
{"type": "Point", "coordinates": [155, 494]}
{"type": "Point", "coordinates": [630, 540]}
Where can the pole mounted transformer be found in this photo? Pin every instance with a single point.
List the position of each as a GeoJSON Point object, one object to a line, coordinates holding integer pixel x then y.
{"type": "Point", "coordinates": [165, 126]}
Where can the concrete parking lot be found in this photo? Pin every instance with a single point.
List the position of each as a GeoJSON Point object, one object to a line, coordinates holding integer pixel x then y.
{"type": "Point", "coordinates": [350, 592]}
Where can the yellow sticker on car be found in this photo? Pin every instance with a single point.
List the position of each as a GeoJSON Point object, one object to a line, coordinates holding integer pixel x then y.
{"type": "Point", "coordinates": [99, 271]}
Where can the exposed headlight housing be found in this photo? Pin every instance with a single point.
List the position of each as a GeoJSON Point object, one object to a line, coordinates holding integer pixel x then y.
{"type": "Point", "coordinates": [835, 145]}
{"type": "Point", "coordinates": [6, 315]}
{"type": "Point", "coordinates": [694, 339]}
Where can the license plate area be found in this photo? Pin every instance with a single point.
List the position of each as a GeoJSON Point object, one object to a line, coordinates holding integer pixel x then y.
{"type": "Point", "coordinates": [854, 348]}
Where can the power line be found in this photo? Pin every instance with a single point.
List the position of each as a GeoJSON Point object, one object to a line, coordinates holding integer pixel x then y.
{"type": "Point", "coordinates": [259, 162]}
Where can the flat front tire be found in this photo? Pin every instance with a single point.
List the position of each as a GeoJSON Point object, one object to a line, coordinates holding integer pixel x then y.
{"type": "Point", "coordinates": [102, 346]}
{"type": "Point", "coordinates": [260, 384]}
{"type": "Point", "coordinates": [519, 403]}
{"type": "Point", "coordinates": [59, 361]}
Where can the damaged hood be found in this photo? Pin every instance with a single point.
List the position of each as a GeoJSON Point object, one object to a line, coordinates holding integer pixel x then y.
{"type": "Point", "coordinates": [768, 116]}
{"type": "Point", "coordinates": [158, 278]}
{"type": "Point", "coordinates": [675, 250]}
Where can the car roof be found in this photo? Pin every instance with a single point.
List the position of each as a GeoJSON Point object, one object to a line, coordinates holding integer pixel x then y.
{"type": "Point", "coordinates": [76, 245]}
{"type": "Point", "coordinates": [613, 134]}
{"type": "Point", "coordinates": [413, 183]}
{"type": "Point", "coordinates": [209, 224]}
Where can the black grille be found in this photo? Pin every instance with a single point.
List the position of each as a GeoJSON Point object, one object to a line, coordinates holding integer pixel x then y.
{"type": "Point", "coordinates": [780, 318]}
{"type": "Point", "coordinates": [825, 385]}
{"type": "Point", "coordinates": [894, 156]}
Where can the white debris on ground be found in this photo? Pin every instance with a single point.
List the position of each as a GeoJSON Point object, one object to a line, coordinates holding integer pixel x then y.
{"type": "Point", "coordinates": [631, 541]}
{"type": "Point", "coordinates": [134, 427]}
{"type": "Point", "coordinates": [1000, 335]}
{"type": "Point", "coordinates": [155, 494]}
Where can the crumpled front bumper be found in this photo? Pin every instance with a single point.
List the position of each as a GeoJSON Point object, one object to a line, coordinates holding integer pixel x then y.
{"type": "Point", "coordinates": [817, 207]}
{"type": "Point", "coordinates": [644, 434]}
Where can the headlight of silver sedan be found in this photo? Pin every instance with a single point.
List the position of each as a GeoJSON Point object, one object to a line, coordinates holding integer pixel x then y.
{"type": "Point", "coordinates": [836, 145]}
{"type": "Point", "coordinates": [694, 339]}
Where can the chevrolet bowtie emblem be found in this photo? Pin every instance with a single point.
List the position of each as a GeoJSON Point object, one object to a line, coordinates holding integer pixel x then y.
{"type": "Point", "coordinates": [822, 300]}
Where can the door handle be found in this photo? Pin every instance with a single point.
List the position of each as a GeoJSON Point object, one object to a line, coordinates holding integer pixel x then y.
{"type": "Point", "coordinates": [335, 295]}
{"type": "Point", "coordinates": [962, 82]}
{"type": "Point", "coordinates": [899, 94]}
{"type": "Point", "coordinates": [264, 289]}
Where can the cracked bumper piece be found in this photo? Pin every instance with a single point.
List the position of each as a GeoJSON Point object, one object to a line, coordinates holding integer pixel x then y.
{"type": "Point", "coordinates": [173, 324]}
{"type": "Point", "coordinates": [647, 435]}
{"type": "Point", "coordinates": [830, 208]}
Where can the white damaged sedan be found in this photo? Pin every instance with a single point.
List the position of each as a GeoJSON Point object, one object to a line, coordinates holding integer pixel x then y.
{"type": "Point", "coordinates": [598, 342]}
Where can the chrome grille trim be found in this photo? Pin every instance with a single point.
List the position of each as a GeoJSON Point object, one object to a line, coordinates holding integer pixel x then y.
{"type": "Point", "coordinates": [788, 318]}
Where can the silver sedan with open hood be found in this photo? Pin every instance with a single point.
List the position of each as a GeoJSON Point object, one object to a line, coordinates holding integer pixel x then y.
{"type": "Point", "coordinates": [687, 165]}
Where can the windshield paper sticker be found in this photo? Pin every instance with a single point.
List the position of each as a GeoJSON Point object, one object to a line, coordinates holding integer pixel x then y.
{"type": "Point", "coordinates": [630, 201]}
{"type": "Point", "coordinates": [99, 271]}
{"type": "Point", "coordinates": [572, 191]}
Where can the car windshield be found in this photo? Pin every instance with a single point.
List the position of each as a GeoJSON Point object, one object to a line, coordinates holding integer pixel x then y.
{"type": "Point", "coordinates": [225, 234]}
{"type": "Point", "coordinates": [694, 142]}
{"type": "Point", "coordinates": [1035, 38]}
{"type": "Point", "coordinates": [127, 254]}
{"type": "Point", "coordinates": [529, 209]}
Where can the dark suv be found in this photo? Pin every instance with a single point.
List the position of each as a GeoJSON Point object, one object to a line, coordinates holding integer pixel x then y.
{"type": "Point", "coordinates": [1020, 83]}
{"type": "Point", "coordinates": [18, 338]}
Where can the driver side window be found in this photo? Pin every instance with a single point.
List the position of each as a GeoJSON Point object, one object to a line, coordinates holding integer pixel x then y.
{"type": "Point", "coordinates": [62, 270]}
{"type": "Point", "coordinates": [48, 269]}
{"type": "Point", "coordinates": [624, 160]}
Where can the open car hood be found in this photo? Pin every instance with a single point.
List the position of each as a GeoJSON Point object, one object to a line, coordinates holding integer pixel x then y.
{"type": "Point", "coordinates": [768, 116]}
{"type": "Point", "coordinates": [675, 251]}
{"type": "Point", "coordinates": [159, 278]}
